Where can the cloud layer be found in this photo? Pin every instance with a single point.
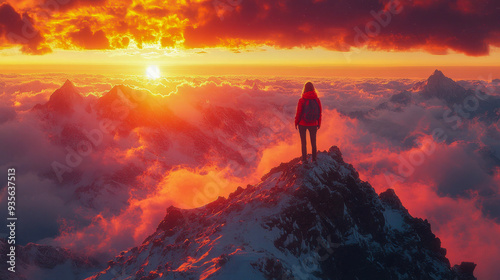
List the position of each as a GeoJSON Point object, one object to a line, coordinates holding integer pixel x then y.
{"type": "Point", "coordinates": [185, 141]}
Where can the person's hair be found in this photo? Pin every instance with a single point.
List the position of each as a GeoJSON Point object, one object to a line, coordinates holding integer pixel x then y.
{"type": "Point", "coordinates": [308, 87]}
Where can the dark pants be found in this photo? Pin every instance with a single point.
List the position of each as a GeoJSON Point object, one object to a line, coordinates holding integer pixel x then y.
{"type": "Point", "coordinates": [312, 132]}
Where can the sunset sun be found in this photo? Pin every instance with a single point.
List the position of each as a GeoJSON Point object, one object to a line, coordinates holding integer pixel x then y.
{"type": "Point", "coordinates": [153, 72]}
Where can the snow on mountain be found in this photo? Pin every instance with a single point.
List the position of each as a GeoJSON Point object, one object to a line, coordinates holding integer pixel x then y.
{"type": "Point", "coordinates": [300, 222]}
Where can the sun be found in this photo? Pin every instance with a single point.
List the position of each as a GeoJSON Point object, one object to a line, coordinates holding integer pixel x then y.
{"type": "Point", "coordinates": [153, 72]}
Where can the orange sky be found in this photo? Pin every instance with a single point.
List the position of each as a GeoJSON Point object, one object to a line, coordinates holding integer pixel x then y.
{"type": "Point", "coordinates": [249, 32]}
{"type": "Point", "coordinates": [328, 38]}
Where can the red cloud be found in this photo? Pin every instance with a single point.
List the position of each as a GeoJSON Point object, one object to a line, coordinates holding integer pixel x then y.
{"type": "Point", "coordinates": [87, 39]}
{"type": "Point", "coordinates": [464, 26]}
{"type": "Point", "coordinates": [16, 29]}
{"type": "Point", "coordinates": [339, 25]}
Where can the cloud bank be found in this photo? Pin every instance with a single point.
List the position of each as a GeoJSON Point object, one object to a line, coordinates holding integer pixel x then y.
{"type": "Point", "coordinates": [463, 26]}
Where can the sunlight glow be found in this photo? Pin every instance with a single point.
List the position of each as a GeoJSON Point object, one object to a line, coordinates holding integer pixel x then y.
{"type": "Point", "coordinates": [153, 72]}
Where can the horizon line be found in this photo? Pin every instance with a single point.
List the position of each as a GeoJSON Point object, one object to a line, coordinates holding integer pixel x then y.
{"type": "Point", "coordinates": [300, 70]}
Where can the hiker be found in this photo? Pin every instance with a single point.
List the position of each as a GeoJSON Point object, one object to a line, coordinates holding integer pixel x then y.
{"type": "Point", "coordinates": [308, 117]}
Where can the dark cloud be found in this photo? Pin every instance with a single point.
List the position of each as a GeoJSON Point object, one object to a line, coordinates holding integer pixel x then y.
{"type": "Point", "coordinates": [396, 25]}
{"type": "Point", "coordinates": [7, 113]}
{"type": "Point", "coordinates": [491, 206]}
{"type": "Point", "coordinates": [17, 29]}
{"type": "Point", "coordinates": [457, 172]}
{"type": "Point", "coordinates": [89, 40]}
{"type": "Point", "coordinates": [390, 25]}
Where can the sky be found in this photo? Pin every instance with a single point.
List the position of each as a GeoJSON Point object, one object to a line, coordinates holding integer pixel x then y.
{"type": "Point", "coordinates": [249, 33]}
{"type": "Point", "coordinates": [245, 61]}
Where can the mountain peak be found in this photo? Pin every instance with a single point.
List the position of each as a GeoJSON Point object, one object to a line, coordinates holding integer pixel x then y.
{"type": "Point", "coordinates": [326, 162]}
{"type": "Point", "coordinates": [316, 219]}
{"type": "Point", "coordinates": [120, 92]}
{"type": "Point", "coordinates": [67, 94]}
{"type": "Point", "coordinates": [390, 198]}
{"type": "Point", "coordinates": [63, 100]}
{"type": "Point", "coordinates": [119, 87]}
{"type": "Point", "coordinates": [441, 87]}
{"type": "Point", "coordinates": [439, 79]}
{"type": "Point", "coordinates": [438, 73]}
{"type": "Point", "coordinates": [68, 84]}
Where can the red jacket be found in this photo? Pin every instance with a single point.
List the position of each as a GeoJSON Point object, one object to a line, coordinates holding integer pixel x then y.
{"type": "Point", "coordinates": [307, 95]}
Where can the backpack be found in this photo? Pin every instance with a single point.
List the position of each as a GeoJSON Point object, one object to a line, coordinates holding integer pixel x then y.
{"type": "Point", "coordinates": [310, 110]}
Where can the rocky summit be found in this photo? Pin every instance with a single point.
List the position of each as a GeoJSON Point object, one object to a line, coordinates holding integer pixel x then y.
{"type": "Point", "coordinates": [315, 221]}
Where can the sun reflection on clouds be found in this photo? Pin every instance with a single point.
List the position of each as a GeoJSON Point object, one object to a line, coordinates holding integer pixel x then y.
{"type": "Point", "coordinates": [159, 162]}
{"type": "Point", "coordinates": [153, 72]}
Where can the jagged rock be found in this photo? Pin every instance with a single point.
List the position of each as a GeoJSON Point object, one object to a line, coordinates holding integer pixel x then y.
{"type": "Point", "coordinates": [314, 222]}
{"type": "Point", "coordinates": [465, 271]}
{"type": "Point", "coordinates": [390, 198]}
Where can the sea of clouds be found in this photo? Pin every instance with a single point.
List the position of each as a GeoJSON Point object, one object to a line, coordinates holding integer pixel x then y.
{"type": "Point", "coordinates": [192, 139]}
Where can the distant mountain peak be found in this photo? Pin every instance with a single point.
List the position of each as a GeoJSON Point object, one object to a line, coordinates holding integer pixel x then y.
{"type": "Point", "coordinates": [63, 100]}
{"type": "Point", "coordinates": [441, 87]}
{"type": "Point", "coordinates": [318, 220]}
{"type": "Point", "coordinates": [68, 85]}
{"type": "Point", "coordinates": [438, 73]}
{"type": "Point", "coordinates": [120, 92]}
{"type": "Point", "coordinates": [120, 87]}
{"type": "Point", "coordinates": [67, 91]}
{"type": "Point", "coordinates": [438, 79]}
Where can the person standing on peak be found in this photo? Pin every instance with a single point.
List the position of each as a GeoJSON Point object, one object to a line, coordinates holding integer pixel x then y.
{"type": "Point", "coordinates": [308, 117]}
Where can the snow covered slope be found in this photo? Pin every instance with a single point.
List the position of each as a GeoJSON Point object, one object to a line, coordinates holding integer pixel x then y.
{"type": "Point", "coordinates": [300, 222]}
